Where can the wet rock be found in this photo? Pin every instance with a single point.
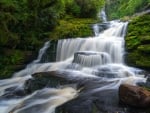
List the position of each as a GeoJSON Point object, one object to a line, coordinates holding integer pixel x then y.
{"type": "Point", "coordinates": [147, 83]}
{"type": "Point", "coordinates": [90, 58]}
{"type": "Point", "coordinates": [102, 26]}
{"type": "Point", "coordinates": [44, 79]}
{"type": "Point", "coordinates": [45, 100]}
{"type": "Point", "coordinates": [105, 101]}
{"type": "Point", "coordinates": [134, 96]}
{"type": "Point", "coordinates": [79, 105]}
{"type": "Point", "coordinates": [53, 79]}
{"type": "Point", "coordinates": [14, 92]}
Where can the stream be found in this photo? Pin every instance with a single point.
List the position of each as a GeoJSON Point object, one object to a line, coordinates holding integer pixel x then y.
{"type": "Point", "coordinates": [95, 62]}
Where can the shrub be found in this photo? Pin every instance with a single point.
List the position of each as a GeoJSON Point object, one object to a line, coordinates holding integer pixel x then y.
{"type": "Point", "coordinates": [119, 8]}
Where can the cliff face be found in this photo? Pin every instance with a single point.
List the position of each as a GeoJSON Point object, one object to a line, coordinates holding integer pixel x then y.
{"type": "Point", "coordinates": [138, 42]}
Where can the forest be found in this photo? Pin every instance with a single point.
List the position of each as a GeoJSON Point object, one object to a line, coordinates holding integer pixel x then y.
{"type": "Point", "coordinates": [27, 24]}
{"type": "Point", "coordinates": [74, 56]}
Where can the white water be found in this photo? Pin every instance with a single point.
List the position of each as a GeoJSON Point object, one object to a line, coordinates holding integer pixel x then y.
{"type": "Point", "coordinates": [41, 52]}
{"type": "Point", "coordinates": [110, 42]}
{"type": "Point", "coordinates": [102, 15]}
{"type": "Point", "coordinates": [97, 57]}
{"type": "Point", "coordinates": [44, 101]}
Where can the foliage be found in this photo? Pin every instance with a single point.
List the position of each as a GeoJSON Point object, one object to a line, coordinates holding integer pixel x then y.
{"type": "Point", "coordinates": [26, 24]}
{"type": "Point", "coordinates": [121, 8]}
{"type": "Point", "coordinates": [138, 42]}
{"type": "Point", "coordinates": [83, 8]}
{"type": "Point", "coordinates": [72, 8]}
{"type": "Point", "coordinates": [76, 27]}
{"type": "Point", "coordinates": [8, 62]}
{"type": "Point", "coordinates": [27, 21]}
{"type": "Point", "coordinates": [90, 8]}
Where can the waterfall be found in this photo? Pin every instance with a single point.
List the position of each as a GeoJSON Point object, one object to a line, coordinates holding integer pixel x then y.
{"type": "Point", "coordinates": [110, 42]}
{"type": "Point", "coordinates": [29, 68]}
{"type": "Point", "coordinates": [102, 15]}
{"type": "Point", "coordinates": [90, 59]}
{"type": "Point", "coordinates": [96, 62]}
{"type": "Point", "coordinates": [46, 100]}
{"type": "Point", "coordinates": [96, 29]}
{"type": "Point", "coordinates": [41, 53]}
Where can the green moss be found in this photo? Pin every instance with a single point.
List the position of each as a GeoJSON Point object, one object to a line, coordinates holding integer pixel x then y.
{"type": "Point", "coordinates": [138, 42]}
{"type": "Point", "coordinates": [138, 59]}
{"type": "Point", "coordinates": [12, 60]}
{"type": "Point", "coordinates": [144, 48]}
{"type": "Point", "coordinates": [132, 42]}
{"type": "Point", "coordinates": [132, 57]}
{"type": "Point", "coordinates": [145, 39]}
{"type": "Point", "coordinates": [6, 71]}
{"type": "Point", "coordinates": [143, 61]}
{"type": "Point", "coordinates": [73, 28]}
{"type": "Point", "coordinates": [26, 24]}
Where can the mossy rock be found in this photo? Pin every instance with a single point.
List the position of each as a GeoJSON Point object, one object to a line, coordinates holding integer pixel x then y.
{"type": "Point", "coordinates": [12, 60]}
{"type": "Point", "coordinates": [138, 42]}
{"type": "Point", "coordinates": [145, 40]}
{"type": "Point", "coordinates": [132, 42]}
{"type": "Point", "coordinates": [138, 59]}
{"type": "Point", "coordinates": [144, 48]}
{"type": "Point", "coordinates": [72, 28]}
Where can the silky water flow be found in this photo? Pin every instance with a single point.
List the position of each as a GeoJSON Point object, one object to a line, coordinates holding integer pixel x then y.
{"type": "Point", "coordinates": [100, 57]}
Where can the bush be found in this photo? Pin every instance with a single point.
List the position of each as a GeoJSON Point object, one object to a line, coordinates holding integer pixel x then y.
{"type": "Point", "coordinates": [120, 8]}
{"type": "Point", "coordinates": [83, 8]}
{"type": "Point", "coordinates": [73, 28]}
{"type": "Point", "coordinates": [138, 42]}
{"type": "Point", "coordinates": [90, 8]}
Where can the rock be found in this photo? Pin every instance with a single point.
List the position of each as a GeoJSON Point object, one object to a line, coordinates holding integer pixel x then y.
{"type": "Point", "coordinates": [90, 58]}
{"type": "Point", "coordinates": [14, 92]}
{"type": "Point", "coordinates": [134, 96]}
{"type": "Point", "coordinates": [54, 79]}
{"type": "Point", "coordinates": [79, 105]}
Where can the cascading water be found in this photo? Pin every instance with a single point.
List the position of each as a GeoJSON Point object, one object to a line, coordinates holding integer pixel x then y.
{"type": "Point", "coordinates": [103, 17]}
{"type": "Point", "coordinates": [110, 42]}
{"type": "Point", "coordinates": [41, 52]}
{"type": "Point", "coordinates": [99, 57]}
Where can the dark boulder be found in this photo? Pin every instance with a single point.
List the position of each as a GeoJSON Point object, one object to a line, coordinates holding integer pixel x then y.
{"type": "Point", "coordinates": [134, 96]}
{"type": "Point", "coordinates": [54, 79]}
{"type": "Point", "coordinates": [79, 105]}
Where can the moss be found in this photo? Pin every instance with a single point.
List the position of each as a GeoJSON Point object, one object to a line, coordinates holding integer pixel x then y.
{"type": "Point", "coordinates": [8, 59]}
{"type": "Point", "coordinates": [145, 39]}
{"type": "Point", "coordinates": [132, 57]}
{"type": "Point", "coordinates": [6, 71]}
{"type": "Point", "coordinates": [143, 61]}
{"type": "Point", "coordinates": [133, 42]}
{"type": "Point", "coordinates": [12, 60]}
{"type": "Point", "coordinates": [138, 42]}
{"type": "Point", "coordinates": [138, 59]}
{"type": "Point", "coordinates": [144, 48]}
{"type": "Point", "coordinates": [71, 28]}
{"type": "Point", "coordinates": [26, 24]}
